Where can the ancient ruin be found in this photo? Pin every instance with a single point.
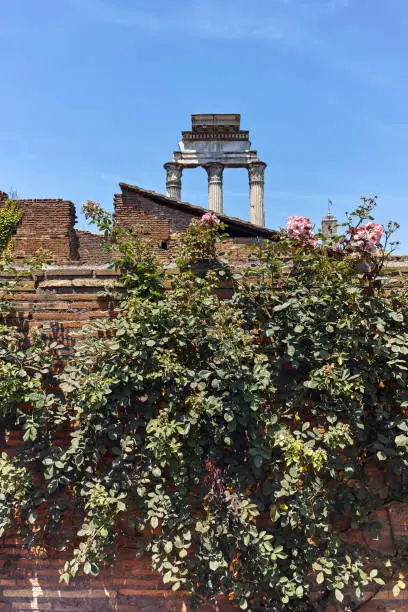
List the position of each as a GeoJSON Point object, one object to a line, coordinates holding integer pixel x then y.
{"type": "Point", "coordinates": [72, 291]}
{"type": "Point", "coordinates": [215, 142]}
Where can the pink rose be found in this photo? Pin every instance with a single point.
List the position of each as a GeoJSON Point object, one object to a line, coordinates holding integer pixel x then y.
{"type": "Point", "coordinates": [367, 237]}
{"type": "Point", "coordinates": [299, 228]}
{"type": "Point", "coordinates": [90, 209]}
{"type": "Point", "coordinates": [209, 219]}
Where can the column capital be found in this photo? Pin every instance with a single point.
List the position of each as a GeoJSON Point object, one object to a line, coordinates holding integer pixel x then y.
{"type": "Point", "coordinates": [173, 180]}
{"type": "Point", "coordinates": [173, 169]}
{"type": "Point", "coordinates": [214, 171]}
{"type": "Point", "coordinates": [256, 171]}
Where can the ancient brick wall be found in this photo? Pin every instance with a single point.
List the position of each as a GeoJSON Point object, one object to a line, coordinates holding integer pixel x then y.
{"type": "Point", "coordinates": [91, 248]}
{"type": "Point", "coordinates": [46, 226]}
{"type": "Point", "coordinates": [60, 301]}
{"type": "Point", "coordinates": [136, 211]}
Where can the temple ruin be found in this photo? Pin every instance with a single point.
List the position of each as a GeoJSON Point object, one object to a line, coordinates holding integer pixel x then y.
{"type": "Point", "coordinates": [215, 142]}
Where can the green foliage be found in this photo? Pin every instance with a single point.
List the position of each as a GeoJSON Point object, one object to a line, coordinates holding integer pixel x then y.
{"type": "Point", "coordinates": [24, 370]}
{"type": "Point", "coordinates": [198, 244]}
{"type": "Point", "coordinates": [15, 482]}
{"type": "Point", "coordinates": [131, 253]}
{"type": "Point", "coordinates": [236, 437]}
{"type": "Point", "coordinates": [10, 216]}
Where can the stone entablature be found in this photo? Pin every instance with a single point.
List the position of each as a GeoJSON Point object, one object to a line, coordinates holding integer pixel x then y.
{"type": "Point", "coordinates": [223, 135]}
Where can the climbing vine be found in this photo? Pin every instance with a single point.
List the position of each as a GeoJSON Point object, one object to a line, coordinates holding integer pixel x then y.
{"type": "Point", "coordinates": [238, 437]}
{"type": "Point", "coordinates": [10, 216]}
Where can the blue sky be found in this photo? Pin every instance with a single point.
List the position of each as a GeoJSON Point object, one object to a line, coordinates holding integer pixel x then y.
{"type": "Point", "coordinates": [94, 92]}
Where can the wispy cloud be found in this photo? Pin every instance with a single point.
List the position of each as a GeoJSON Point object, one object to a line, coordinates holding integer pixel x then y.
{"type": "Point", "coordinates": [117, 15]}
{"type": "Point", "coordinates": [316, 28]}
{"type": "Point", "coordinates": [230, 19]}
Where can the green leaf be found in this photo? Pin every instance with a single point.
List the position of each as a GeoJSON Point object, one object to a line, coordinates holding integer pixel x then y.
{"type": "Point", "coordinates": [339, 595]}
{"type": "Point", "coordinates": [168, 547]}
{"type": "Point", "coordinates": [214, 565]}
{"type": "Point", "coordinates": [283, 306]}
{"type": "Point", "coordinates": [154, 521]}
{"type": "Point", "coordinates": [396, 316]}
{"type": "Point", "coordinates": [87, 568]}
{"type": "Point", "coordinates": [64, 578]}
{"type": "Point", "coordinates": [320, 578]}
{"type": "Point", "coordinates": [200, 527]}
{"type": "Point", "coordinates": [167, 577]}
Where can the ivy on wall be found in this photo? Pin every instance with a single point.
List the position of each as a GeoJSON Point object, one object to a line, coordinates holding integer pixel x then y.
{"type": "Point", "coordinates": [10, 216]}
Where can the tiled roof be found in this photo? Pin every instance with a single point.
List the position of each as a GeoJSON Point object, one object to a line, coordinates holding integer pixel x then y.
{"type": "Point", "coordinates": [252, 229]}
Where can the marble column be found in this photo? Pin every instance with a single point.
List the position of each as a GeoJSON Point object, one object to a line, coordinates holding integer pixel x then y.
{"type": "Point", "coordinates": [256, 171]}
{"type": "Point", "coordinates": [214, 171]}
{"type": "Point", "coordinates": [173, 180]}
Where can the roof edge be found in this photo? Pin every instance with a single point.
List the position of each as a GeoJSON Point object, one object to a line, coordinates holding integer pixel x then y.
{"type": "Point", "coordinates": [199, 210]}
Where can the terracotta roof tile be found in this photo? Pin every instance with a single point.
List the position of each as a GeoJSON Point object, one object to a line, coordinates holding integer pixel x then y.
{"type": "Point", "coordinates": [199, 210]}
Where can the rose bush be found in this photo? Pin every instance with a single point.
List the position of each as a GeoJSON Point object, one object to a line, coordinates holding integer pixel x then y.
{"type": "Point", "coordinates": [236, 435]}
{"type": "Point", "coordinates": [367, 237]}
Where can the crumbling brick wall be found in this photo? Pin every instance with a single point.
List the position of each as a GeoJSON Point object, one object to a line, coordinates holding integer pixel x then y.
{"type": "Point", "coordinates": [134, 210]}
{"type": "Point", "coordinates": [46, 226]}
{"type": "Point", "coordinates": [92, 248]}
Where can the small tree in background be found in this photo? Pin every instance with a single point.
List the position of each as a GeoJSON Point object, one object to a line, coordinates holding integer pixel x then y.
{"type": "Point", "coordinates": [238, 436]}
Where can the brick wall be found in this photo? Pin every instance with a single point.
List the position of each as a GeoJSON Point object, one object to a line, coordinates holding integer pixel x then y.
{"type": "Point", "coordinates": [48, 226]}
{"type": "Point", "coordinates": [135, 211]}
{"type": "Point", "coordinates": [91, 248]}
{"type": "Point", "coordinates": [61, 301]}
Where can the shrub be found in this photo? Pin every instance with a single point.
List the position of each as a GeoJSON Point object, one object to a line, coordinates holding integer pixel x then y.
{"type": "Point", "coordinates": [236, 435]}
